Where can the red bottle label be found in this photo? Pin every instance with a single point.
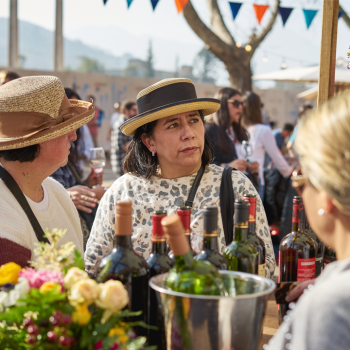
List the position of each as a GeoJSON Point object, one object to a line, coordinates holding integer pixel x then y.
{"type": "Point", "coordinates": [297, 208]}
{"type": "Point", "coordinates": [306, 269]}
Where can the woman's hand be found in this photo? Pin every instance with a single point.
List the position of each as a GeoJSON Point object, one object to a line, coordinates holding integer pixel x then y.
{"type": "Point", "coordinates": [94, 179]}
{"type": "Point", "coordinates": [82, 197]}
{"type": "Point", "coordinates": [296, 292]}
{"type": "Point", "coordinates": [239, 164]}
{"type": "Point", "coordinates": [99, 191]}
{"type": "Point", "coordinates": [253, 167]}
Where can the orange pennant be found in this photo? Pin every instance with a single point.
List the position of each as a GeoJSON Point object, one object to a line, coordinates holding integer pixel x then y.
{"type": "Point", "coordinates": [180, 4]}
{"type": "Point", "coordinates": [260, 11]}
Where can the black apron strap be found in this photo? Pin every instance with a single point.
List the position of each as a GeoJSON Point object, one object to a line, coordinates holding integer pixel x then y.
{"type": "Point", "coordinates": [194, 188]}
{"type": "Point", "coordinates": [21, 199]}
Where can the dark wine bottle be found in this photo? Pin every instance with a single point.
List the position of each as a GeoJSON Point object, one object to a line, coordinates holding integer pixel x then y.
{"type": "Point", "coordinates": [185, 216]}
{"type": "Point", "coordinates": [329, 256]}
{"type": "Point", "coordinates": [240, 254]}
{"type": "Point", "coordinates": [125, 265]}
{"type": "Point", "coordinates": [253, 238]}
{"type": "Point", "coordinates": [188, 275]}
{"type": "Point", "coordinates": [158, 262]}
{"type": "Point", "coordinates": [210, 251]}
{"type": "Point", "coordinates": [319, 250]}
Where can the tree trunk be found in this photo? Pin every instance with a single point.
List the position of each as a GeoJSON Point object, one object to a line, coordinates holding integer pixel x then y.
{"type": "Point", "coordinates": [240, 72]}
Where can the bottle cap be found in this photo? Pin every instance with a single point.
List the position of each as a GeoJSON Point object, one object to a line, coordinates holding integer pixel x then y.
{"type": "Point", "coordinates": [251, 198]}
{"type": "Point", "coordinates": [157, 229]}
{"type": "Point", "coordinates": [123, 218]}
{"type": "Point", "coordinates": [297, 199]}
{"type": "Point", "coordinates": [241, 213]}
{"type": "Point", "coordinates": [178, 242]}
{"type": "Point", "coordinates": [210, 221]}
{"type": "Point", "coordinates": [184, 213]}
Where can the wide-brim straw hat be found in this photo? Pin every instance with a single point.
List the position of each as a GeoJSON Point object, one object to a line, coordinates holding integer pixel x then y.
{"type": "Point", "coordinates": [36, 109]}
{"type": "Point", "coordinates": [165, 98]}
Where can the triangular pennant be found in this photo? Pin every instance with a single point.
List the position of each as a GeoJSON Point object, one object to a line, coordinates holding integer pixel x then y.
{"type": "Point", "coordinates": [180, 4]}
{"type": "Point", "coordinates": [235, 6]}
{"type": "Point", "coordinates": [340, 14]}
{"type": "Point", "coordinates": [128, 2]}
{"type": "Point", "coordinates": [309, 16]}
{"type": "Point", "coordinates": [105, 2]}
{"type": "Point", "coordinates": [154, 4]}
{"type": "Point", "coordinates": [285, 13]}
{"type": "Point", "coordinates": [260, 11]}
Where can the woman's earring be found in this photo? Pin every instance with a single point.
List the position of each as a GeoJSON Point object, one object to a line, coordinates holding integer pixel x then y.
{"type": "Point", "coordinates": [320, 212]}
{"type": "Point", "coordinates": [152, 153]}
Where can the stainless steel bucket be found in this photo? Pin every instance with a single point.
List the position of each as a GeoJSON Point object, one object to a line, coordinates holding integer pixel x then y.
{"type": "Point", "coordinates": [200, 322]}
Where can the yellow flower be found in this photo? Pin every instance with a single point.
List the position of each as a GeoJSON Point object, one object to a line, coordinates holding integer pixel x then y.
{"type": "Point", "coordinates": [9, 273]}
{"type": "Point", "coordinates": [73, 276]}
{"type": "Point", "coordinates": [81, 315]}
{"type": "Point", "coordinates": [50, 286]}
{"type": "Point", "coordinates": [120, 332]}
{"type": "Point", "coordinates": [113, 296]}
{"type": "Point", "coordinates": [84, 292]}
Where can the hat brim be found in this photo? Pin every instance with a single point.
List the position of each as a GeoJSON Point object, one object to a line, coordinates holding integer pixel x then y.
{"type": "Point", "coordinates": [206, 105]}
{"type": "Point", "coordinates": [85, 114]}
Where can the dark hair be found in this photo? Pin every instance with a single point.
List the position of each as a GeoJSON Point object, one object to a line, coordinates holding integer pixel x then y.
{"type": "Point", "coordinates": [303, 109]}
{"type": "Point", "coordinates": [222, 119]}
{"type": "Point", "coordinates": [251, 113]}
{"type": "Point", "coordinates": [139, 160]}
{"type": "Point", "coordinates": [288, 127]}
{"type": "Point", "coordinates": [70, 93]}
{"type": "Point", "coordinates": [127, 105]}
{"type": "Point", "coordinates": [22, 155]}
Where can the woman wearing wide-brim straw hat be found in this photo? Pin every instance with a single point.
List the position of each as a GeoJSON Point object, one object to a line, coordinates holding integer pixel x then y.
{"type": "Point", "coordinates": [37, 124]}
{"type": "Point", "coordinates": [168, 151]}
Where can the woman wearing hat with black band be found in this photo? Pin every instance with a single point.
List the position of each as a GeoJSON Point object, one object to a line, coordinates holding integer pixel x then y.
{"type": "Point", "coordinates": [168, 149]}
{"type": "Point", "coordinates": [37, 124]}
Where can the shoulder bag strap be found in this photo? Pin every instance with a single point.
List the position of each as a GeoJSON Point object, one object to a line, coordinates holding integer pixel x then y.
{"type": "Point", "coordinates": [194, 188]}
{"type": "Point", "coordinates": [18, 194]}
{"type": "Point", "coordinates": [227, 202]}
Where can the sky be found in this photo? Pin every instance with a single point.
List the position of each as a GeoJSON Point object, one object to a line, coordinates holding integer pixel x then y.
{"type": "Point", "coordinates": [118, 30]}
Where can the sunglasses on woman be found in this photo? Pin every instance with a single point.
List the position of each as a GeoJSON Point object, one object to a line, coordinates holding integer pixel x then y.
{"type": "Point", "coordinates": [236, 103]}
{"type": "Point", "coordinates": [299, 180]}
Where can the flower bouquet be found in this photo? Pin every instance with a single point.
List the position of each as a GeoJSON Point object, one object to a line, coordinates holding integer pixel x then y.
{"type": "Point", "coordinates": [55, 305]}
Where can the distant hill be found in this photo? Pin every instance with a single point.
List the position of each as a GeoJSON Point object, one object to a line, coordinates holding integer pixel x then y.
{"type": "Point", "coordinates": [36, 44]}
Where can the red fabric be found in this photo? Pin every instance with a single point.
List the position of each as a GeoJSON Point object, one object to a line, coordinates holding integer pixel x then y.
{"type": "Point", "coordinates": [13, 252]}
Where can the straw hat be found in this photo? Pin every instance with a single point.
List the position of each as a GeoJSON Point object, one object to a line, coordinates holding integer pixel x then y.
{"type": "Point", "coordinates": [165, 98]}
{"type": "Point", "coordinates": [36, 109]}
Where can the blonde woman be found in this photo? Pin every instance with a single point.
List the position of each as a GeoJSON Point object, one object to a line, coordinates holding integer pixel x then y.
{"type": "Point", "coordinates": [321, 318]}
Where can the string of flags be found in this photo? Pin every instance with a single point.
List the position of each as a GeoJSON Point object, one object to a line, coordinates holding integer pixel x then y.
{"type": "Point", "coordinates": [259, 10]}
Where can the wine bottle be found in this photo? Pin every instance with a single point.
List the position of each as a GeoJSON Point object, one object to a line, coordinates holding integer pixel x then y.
{"type": "Point", "coordinates": [185, 216]}
{"type": "Point", "coordinates": [240, 254]}
{"type": "Point", "coordinates": [125, 265]}
{"type": "Point", "coordinates": [253, 238]}
{"type": "Point", "coordinates": [329, 256]}
{"type": "Point", "coordinates": [158, 262]}
{"type": "Point", "coordinates": [188, 275]}
{"type": "Point", "coordinates": [210, 250]}
{"type": "Point", "coordinates": [319, 250]}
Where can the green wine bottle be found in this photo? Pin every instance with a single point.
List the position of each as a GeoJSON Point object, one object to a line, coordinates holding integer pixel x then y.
{"type": "Point", "coordinates": [240, 254]}
{"type": "Point", "coordinates": [189, 276]}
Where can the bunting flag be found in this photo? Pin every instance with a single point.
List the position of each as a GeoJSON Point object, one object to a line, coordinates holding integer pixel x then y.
{"type": "Point", "coordinates": [154, 4]}
{"type": "Point", "coordinates": [235, 6]}
{"type": "Point", "coordinates": [340, 14]}
{"type": "Point", "coordinates": [309, 16]}
{"type": "Point", "coordinates": [180, 4]}
{"type": "Point", "coordinates": [105, 2]}
{"type": "Point", "coordinates": [285, 13]}
{"type": "Point", "coordinates": [128, 2]}
{"type": "Point", "coordinates": [260, 11]}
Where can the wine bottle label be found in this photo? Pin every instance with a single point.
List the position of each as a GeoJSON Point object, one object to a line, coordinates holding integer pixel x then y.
{"type": "Point", "coordinates": [262, 270]}
{"type": "Point", "coordinates": [306, 269]}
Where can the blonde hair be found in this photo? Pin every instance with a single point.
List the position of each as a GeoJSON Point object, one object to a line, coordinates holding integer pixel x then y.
{"type": "Point", "coordinates": [322, 143]}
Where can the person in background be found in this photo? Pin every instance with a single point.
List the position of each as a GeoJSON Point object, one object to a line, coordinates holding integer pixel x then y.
{"type": "Point", "coordinates": [226, 133]}
{"type": "Point", "coordinates": [113, 118]}
{"type": "Point", "coordinates": [93, 124]}
{"type": "Point", "coordinates": [7, 75]}
{"type": "Point", "coordinates": [320, 320]}
{"type": "Point", "coordinates": [261, 139]}
{"type": "Point", "coordinates": [119, 141]}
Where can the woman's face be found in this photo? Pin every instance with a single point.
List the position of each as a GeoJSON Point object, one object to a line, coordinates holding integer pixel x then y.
{"type": "Point", "coordinates": [235, 112]}
{"type": "Point", "coordinates": [178, 141]}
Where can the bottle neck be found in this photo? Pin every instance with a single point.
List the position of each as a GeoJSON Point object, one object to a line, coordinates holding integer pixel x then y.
{"type": "Point", "coordinates": [210, 243]}
{"type": "Point", "coordinates": [122, 242]}
{"type": "Point", "coordinates": [251, 228]}
{"type": "Point", "coordinates": [184, 260]}
{"type": "Point", "coordinates": [241, 234]}
{"type": "Point", "coordinates": [159, 248]}
{"type": "Point", "coordinates": [299, 219]}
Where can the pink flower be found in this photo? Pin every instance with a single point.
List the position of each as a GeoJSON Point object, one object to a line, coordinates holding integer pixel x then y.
{"type": "Point", "coordinates": [98, 345]}
{"type": "Point", "coordinates": [37, 278]}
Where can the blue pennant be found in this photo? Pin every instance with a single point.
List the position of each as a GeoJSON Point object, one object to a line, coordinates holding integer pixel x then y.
{"type": "Point", "coordinates": [309, 16]}
{"type": "Point", "coordinates": [128, 2]}
{"type": "Point", "coordinates": [285, 13]}
{"type": "Point", "coordinates": [154, 3]}
{"type": "Point", "coordinates": [340, 14]}
{"type": "Point", "coordinates": [105, 2]}
{"type": "Point", "coordinates": [235, 6]}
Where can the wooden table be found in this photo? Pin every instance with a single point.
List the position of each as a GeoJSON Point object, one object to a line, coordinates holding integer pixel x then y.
{"type": "Point", "coordinates": [270, 325]}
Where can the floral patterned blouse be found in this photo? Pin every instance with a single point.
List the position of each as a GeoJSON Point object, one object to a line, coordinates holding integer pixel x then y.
{"type": "Point", "coordinates": [148, 195]}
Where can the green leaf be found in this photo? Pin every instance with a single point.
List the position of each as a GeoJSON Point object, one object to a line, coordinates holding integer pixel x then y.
{"type": "Point", "coordinates": [137, 343]}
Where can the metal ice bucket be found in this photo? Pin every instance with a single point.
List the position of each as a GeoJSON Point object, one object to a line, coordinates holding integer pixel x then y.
{"type": "Point", "coordinates": [200, 322]}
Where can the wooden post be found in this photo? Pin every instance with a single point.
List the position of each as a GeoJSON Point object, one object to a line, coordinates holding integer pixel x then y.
{"type": "Point", "coordinates": [58, 54]}
{"type": "Point", "coordinates": [328, 50]}
{"type": "Point", "coordinates": [13, 36]}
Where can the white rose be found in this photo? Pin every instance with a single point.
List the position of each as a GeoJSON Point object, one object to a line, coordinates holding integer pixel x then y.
{"type": "Point", "coordinates": [84, 292]}
{"type": "Point", "coordinates": [113, 296]}
{"type": "Point", "coordinates": [73, 276]}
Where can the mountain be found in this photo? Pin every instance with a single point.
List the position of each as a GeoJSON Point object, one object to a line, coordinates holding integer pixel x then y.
{"type": "Point", "coordinates": [36, 44]}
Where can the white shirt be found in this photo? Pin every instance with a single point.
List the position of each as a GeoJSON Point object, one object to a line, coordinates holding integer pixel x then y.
{"type": "Point", "coordinates": [44, 204]}
{"type": "Point", "coordinates": [261, 141]}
